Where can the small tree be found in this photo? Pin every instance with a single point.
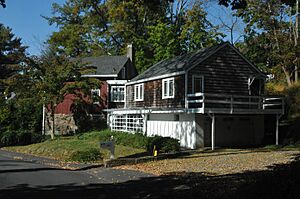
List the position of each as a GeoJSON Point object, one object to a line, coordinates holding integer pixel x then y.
{"type": "Point", "coordinates": [57, 76]}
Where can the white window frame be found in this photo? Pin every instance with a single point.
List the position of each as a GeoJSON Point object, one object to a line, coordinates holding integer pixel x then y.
{"type": "Point", "coordinates": [193, 82]}
{"type": "Point", "coordinates": [168, 80]}
{"type": "Point", "coordinates": [97, 92]}
{"type": "Point", "coordinates": [118, 90]}
{"type": "Point", "coordinates": [139, 92]}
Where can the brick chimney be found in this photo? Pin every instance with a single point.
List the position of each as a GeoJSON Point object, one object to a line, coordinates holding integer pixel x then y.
{"type": "Point", "coordinates": [130, 53]}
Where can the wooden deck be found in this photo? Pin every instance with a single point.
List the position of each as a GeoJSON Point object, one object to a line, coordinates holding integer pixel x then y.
{"type": "Point", "coordinates": [234, 104]}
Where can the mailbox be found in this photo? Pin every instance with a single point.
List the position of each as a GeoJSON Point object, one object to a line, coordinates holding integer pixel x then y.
{"type": "Point", "coordinates": [109, 145]}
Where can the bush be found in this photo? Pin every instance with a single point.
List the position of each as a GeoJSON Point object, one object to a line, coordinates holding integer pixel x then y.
{"type": "Point", "coordinates": [20, 121]}
{"type": "Point", "coordinates": [163, 144]}
{"type": "Point", "coordinates": [19, 137]}
{"type": "Point", "coordinates": [89, 155]}
{"type": "Point", "coordinates": [136, 140]}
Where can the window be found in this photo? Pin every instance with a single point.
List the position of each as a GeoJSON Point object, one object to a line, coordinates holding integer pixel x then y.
{"type": "Point", "coordinates": [117, 93]}
{"type": "Point", "coordinates": [95, 94]}
{"type": "Point", "coordinates": [127, 123]}
{"type": "Point", "coordinates": [198, 85]}
{"type": "Point", "coordinates": [139, 92]}
{"type": "Point", "coordinates": [168, 88]}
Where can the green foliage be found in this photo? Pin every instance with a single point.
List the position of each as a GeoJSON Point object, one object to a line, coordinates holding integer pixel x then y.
{"type": "Point", "coordinates": [20, 114]}
{"type": "Point", "coordinates": [56, 76]}
{"type": "Point", "coordinates": [157, 29]}
{"type": "Point", "coordinates": [136, 140]}
{"type": "Point", "coordinates": [293, 100]}
{"type": "Point", "coordinates": [2, 3]}
{"type": "Point", "coordinates": [12, 54]}
{"type": "Point", "coordinates": [20, 122]}
{"type": "Point", "coordinates": [271, 41]}
{"type": "Point", "coordinates": [89, 155]}
{"type": "Point", "coordinates": [162, 144]}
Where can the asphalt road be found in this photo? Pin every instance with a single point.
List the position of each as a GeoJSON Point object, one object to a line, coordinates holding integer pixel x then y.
{"type": "Point", "coordinates": [25, 179]}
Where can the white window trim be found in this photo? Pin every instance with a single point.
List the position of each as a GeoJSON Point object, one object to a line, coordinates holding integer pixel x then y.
{"type": "Point", "coordinates": [137, 96]}
{"type": "Point", "coordinates": [163, 88]}
{"type": "Point", "coordinates": [193, 82]}
{"type": "Point", "coordinates": [111, 93]}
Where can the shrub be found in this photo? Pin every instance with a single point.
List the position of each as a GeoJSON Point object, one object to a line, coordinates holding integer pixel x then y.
{"type": "Point", "coordinates": [163, 144]}
{"type": "Point", "coordinates": [19, 137]}
{"type": "Point", "coordinates": [89, 155]}
{"type": "Point", "coordinates": [136, 140]}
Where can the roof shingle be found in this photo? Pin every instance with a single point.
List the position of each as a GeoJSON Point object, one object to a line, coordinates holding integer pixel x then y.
{"type": "Point", "coordinates": [177, 64]}
{"type": "Point", "coordinates": [106, 65]}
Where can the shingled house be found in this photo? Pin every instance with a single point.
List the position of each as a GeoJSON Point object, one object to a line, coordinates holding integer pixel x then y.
{"type": "Point", "coordinates": [114, 72]}
{"type": "Point", "coordinates": [210, 97]}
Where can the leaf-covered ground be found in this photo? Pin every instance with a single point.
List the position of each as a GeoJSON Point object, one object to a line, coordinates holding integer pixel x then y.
{"type": "Point", "coordinates": [217, 163]}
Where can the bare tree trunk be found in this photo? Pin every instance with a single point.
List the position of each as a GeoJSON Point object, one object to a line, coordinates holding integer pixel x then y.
{"type": "Point", "coordinates": [287, 76]}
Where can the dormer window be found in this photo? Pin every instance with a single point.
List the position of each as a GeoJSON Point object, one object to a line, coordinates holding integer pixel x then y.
{"type": "Point", "coordinates": [168, 88]}
{"type": "Point", "coordinates": [139, 92]}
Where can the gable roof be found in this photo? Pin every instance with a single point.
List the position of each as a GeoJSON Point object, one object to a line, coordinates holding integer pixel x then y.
{"type": "Point", "coordinates": [106, 65]}
{"type": "Point", "coordinates": [181, 64]}
{"type": "Point", "coordinates": [176, 64]}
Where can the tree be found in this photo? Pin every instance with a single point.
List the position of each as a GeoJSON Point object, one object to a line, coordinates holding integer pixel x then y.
{"type": "Point", "coordinates": [272, 28]}
{"type": "Point", "coordinates": [235, 4]}
{"type": "Point", "coordinates": [2, 3]}
{"type": "Point", "coordinates": [56, 76]}
{"type": "Point", "coordinates": [19, 108]}
{"type": "Point", "coordinates": [106, 27]}
{"type": "Point", "coordinates": [12, 55]}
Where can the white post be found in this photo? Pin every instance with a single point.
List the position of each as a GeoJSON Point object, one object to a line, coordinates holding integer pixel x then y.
{"type": "Point", "coordinates": [126, 122]}
{"type": "Point", "coordinates": [277, 130]}
{"type": "Point", "coordinates": [186, 90]}
{"type": "Point", "coordinates": [43, 122]}
{"type": "Point", "coordinates": [213, 132]}
{"type": "Point", "coordinates": [145, 118]}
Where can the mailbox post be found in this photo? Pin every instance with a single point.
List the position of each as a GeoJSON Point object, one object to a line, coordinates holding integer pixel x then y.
{"type": "Point", "coordinates": [109, 145]}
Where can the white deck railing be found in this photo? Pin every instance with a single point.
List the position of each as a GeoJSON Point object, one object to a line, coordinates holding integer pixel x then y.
{"type": "Point", "coordinates": [222, 103]}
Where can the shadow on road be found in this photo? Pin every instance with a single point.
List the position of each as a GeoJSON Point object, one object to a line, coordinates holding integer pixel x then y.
{"type": "Point", "coordinates": [280, 181]}
{"type": "Point", "coordinates": [28, 170]}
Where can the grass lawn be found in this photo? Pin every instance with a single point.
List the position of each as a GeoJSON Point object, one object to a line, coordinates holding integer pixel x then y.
{"type": "Point", "coordinates": [64, 148]}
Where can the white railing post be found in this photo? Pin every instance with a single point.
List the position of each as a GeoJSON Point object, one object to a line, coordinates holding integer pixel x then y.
{"type": "Point", "coordinates": [231, 104]}
{"type": "Point", "coordinates": [126, 122]}
{"type": "Point", "coordinates": [203, 102]}
{"type": "Point", "coordinates": [213, 128]}
{"type": "Point", "coordinates": [44, 119]}
{"type": "Point", "coordinates": [277, 130]}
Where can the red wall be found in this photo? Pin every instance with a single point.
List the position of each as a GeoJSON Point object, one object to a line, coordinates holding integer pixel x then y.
{"type": "Point", "coordinates": [65, 106]}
